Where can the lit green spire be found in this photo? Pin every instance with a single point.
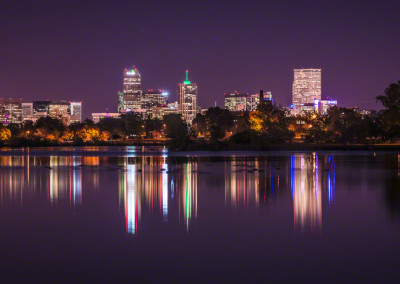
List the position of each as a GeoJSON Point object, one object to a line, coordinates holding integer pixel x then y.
{"type": "Point", "coordinates": [187, 78]}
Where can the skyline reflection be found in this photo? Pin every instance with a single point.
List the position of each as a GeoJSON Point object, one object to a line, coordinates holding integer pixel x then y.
{"type": "Point", "coordinates": [168, 187]}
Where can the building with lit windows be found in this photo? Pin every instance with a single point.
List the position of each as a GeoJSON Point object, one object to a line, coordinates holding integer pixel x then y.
{"type": "Point", "coordinates": [40, 107]}
{"type": "Point", "coordinates": [27, 111]}
{"type": "Point", "coordinates": [10, 111]}
{"type": "Point", "coordinates": [96, 117]}
{"type": "Point", "coordinates": [60, 110]}
{"type": "Point", "coordinates": [131, 97]}
{"type": "Point", "coordinates": [244, 102]}
{"type": "Point", "coordinates": [187, 99]}
{"type": "Point", "coordinates": [76, 111]}
{"type": "Point", "coordinates": [306, 86]}
{"type": "Point", "coordinates": [235, 102]}
{"type": "Point", "coordinates": [153, 98]}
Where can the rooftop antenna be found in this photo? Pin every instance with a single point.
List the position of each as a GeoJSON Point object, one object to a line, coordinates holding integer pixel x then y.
{"type": "Point", "coordinates": [187, 71]}
{"type": "Point", "coordinates": [215, 104]}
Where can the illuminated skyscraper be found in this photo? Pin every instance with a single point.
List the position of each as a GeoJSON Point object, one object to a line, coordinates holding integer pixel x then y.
{"type": "Point", "coordinates": [306, 86]}
{"type": "Point", "coordinates": [187, 99]}
{"type": "Point", "coordinates": [132, 93]}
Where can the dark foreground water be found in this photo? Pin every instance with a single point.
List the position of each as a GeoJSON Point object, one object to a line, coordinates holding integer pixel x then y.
{"type": "Point", "coordinates": [141, 214]}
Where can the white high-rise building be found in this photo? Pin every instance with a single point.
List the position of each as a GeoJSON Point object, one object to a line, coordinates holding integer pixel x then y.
{"type": "Point", "coordinates": [187, 99]}
{"type": "Point", "coordinates": [306, 86]}
{"type": "Point", "coordinates": [131, 98]}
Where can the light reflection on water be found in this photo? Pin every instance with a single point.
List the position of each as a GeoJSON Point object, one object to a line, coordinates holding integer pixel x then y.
{"type": "Point", "coordinates": [153, 183]}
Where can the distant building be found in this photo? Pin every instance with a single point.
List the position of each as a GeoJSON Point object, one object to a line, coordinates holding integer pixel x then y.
{"type": "Point", "coordinates": [187, 99]}
{"type": "Point", "coordinates": [306, 86]}
{"type": "Point", "coordinates": [244, 102]}
{"type": "Point", "coordinates": [27, 110]}
{"type": "Point", "coordinates": [153, 98]}
{"type": "Point", "coordinates": [76, 112]}
{"type": "Point", "coordinates": [60, 110]}
{"type": "Point", "coordinates": [324, 105]}
{"type": "Point", "coordinates": [10, 111]}
{"type": "Point", "coordinates": [131, 98]}
{"type": "Point", "coordinates": [41, 107]}
{"type": "Point", "coordinates": [235, 102]}
{"type": "Point", "coordinates": [96, 117]}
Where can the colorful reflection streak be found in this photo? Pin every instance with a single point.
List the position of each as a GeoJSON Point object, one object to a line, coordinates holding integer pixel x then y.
{"type": "Point", "coordinates": [56, 178]}
{"type": "Point", "coordinates": [241, 182]}
{"type": "Point", "coordinates": [308, 181]}
{"type": "Point", "coordinates": [188, 192]}
{"type": "Point", "coordinates": [150, 185]}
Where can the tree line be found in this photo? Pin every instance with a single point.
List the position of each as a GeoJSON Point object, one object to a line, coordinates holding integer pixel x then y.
{"type": "Point", "coordinates": [221, 129]}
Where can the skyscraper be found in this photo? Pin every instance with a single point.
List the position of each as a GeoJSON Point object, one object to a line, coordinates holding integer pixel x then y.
{"type": "Point", "coordinates": [306, 86]}
{"type": "Point", "coordinates": [132, 92]}
{"type": "Point", "coordinates": [187, 99]}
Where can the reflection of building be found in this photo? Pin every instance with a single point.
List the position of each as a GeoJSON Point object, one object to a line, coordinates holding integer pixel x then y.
{"type": "Point", "coordinates": [10, 111]}
{"type": "Point", "coordinates": [241, 188]}
{"type": "Point", "coordinates": [307, 184]}
{"type": "Point", "coordinates": [146, 187]}
{"type": "Point", "coordinates": [187, 100]}
{"type": "Point", "coordinates": [55, 178]}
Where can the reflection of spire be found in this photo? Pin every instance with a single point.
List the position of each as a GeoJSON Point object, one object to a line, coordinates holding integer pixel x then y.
{"type": "Point", "coordinates": [189, 193]}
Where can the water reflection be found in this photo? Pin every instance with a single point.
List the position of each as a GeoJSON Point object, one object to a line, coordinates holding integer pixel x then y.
{"type": "Point", "coordinates": [168, 186]}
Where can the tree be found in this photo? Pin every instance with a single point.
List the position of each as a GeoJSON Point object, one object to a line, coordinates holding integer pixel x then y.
{"type": "Point", "coordinates": [115, 126]}
{"type": "Point", "coordinates": [5, 134]}
{"type": "Point", "coordinates": [272, 123]}
{"type": "Point", "coordinates": [390, 116]}
{"type": "Point", "coordinates": [346, 125]}
{"type": "Point", "coordinates": [214, 124]}
{"type": "Point", "coordinates": [133, 124]}
{"type": "Point", "coordinates": [315, 125]}
{"type": "Point", "coordinates": [176, 129]}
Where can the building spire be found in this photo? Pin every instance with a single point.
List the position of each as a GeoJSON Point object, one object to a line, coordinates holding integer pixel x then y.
{"type": "Point", "coordinates": [187, 78]}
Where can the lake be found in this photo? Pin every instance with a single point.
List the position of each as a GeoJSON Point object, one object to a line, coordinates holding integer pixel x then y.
{"type": "Point", "coordinates": [119, 214]}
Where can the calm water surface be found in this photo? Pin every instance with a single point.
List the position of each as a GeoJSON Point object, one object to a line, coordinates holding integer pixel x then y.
{"type": "Point", "coordinates": [143, 214]}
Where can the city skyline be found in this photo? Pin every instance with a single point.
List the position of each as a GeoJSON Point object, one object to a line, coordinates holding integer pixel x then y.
{"type": "Point", "coordinates": [78, 55]}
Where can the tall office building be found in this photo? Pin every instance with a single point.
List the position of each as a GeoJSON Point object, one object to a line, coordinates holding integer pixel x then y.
{"type": "Point", "coordinates": [187, 100]}
{"type": "Point", "coordinates": [76, 111]}
{"type": "Point", "coordinates": [132, 92]}
{"type": "Point", "coordinates": [10, 111]}
{"type": "Point", "coordinates": [306, 86]}
{"type": "Point", "coordinates": [153, 98]}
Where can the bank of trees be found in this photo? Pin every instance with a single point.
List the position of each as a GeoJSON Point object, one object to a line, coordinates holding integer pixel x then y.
{"type": "Point", "coordinates": [218, 128]}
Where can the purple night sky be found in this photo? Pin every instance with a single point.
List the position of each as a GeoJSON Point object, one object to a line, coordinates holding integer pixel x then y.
{"type": "Point", "coordinates": [77, 50]}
